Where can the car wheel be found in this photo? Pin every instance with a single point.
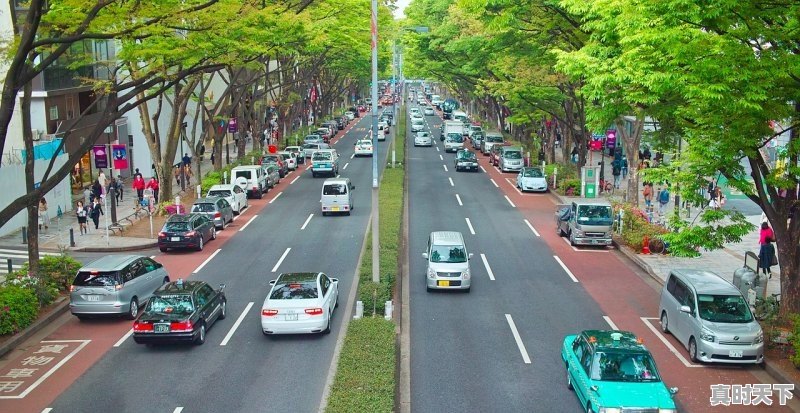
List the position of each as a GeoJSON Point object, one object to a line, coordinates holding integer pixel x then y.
{"type": "Point", "coordinates": [163, 249]}
{"type": "Point", "coordinates": [569, 379]}
{"type": "Point", "coordinates": [213, 233]}
{"type": "Point", "coordinates": [259, 194]}
{"type": "Point", "coordinates": [693, 350]}
{"type": "Point", "coordinates": [133, 311]}
{"type": "Point", "coordinates": [327, 329]}
{"type": "Point", "coordinates": [571, 239]}
{"type": "Point", "coordinates": [664, 322]}
{"type": "Point", "coordinates": [223, 312]}
{"type": "Point", "coordinates": [222, 227]}
{"type": "Point", "coordinates": [201, 337]}
{"type": "Point", "coordinates": [200, 244]}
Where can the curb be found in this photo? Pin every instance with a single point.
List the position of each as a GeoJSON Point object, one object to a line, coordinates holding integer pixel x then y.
{"type": "Point", "coordinates": [34, 328]}
{"type": "Point", "coordinates": [117, 249]}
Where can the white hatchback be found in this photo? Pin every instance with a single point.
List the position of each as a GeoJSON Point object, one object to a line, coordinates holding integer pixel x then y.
{"type": "Point", "coordinates": [232, 193]}
{"type": "Point", "coordinates": [423, 139]}
{"type": "Point", "coordinates": [363, 147]}
{"type": "Point", "coordinates": [300, 303]}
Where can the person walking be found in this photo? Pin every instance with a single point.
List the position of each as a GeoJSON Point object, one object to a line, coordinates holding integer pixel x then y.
{"type": "Point", "coordinates": [767, 257]}
{"type": "Point", "coordinates": [118, 188]}
{"type": "Point", "coordinates": [212, 156]}
{"type": "Point", "coordinates": [186, 159]}
{"type": "Point", "coordinates": [176, 171]}
{"type": "Point", "coordinates": [153, 184]}
{"type": "Point", "coordinates": [187, 171]}
{"type": "Point", "coordinates": [82, 213]}
{"type": "Point", "coordinates": [44, 217]}
{"type": "Point", "coordinates": [624, 167]}
{"type": "Point", "coordinates": [97, 210]}
{"type": "Point", "coordinates": [616, 171]}
{"type": "Point", "coordinates": [663, 200]}
{"type": "Point", "coordinates": [101, 179]}
{"type": "Point", "coordinates": [647, 192]}
{"type": "Point", "coordinates": [97, 190]}
{"type": "Point", "coordinates": [138, 185]}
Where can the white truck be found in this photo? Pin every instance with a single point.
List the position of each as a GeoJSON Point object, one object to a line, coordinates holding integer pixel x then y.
{"type": "Point", "coordinates": [453, 135]}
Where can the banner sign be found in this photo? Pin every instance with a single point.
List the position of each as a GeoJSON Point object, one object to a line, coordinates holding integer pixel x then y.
{"type": "Point", "coordinates": [120, 153]}
{"type": "Point", "coordinates": [233, 126]}
{"type": "Point", "coordinates": [100, 156]}
{"type": "Point", "coordinates": [611, 138]}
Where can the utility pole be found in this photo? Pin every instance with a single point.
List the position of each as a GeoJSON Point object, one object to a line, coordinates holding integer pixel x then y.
{"type": "Point", "coordinates": [376, 267]}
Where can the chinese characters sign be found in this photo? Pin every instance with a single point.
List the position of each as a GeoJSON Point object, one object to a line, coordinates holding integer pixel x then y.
{"type": "Point", "coordinates": [22, 376]}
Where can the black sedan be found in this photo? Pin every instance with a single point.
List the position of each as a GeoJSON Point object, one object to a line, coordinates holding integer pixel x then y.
{"type": "Point", "coordinates": [186, 231]}
{"type": "Point", "coordinates": [466, 160]}
{"type": "Point", "coordinates": [180, 311]}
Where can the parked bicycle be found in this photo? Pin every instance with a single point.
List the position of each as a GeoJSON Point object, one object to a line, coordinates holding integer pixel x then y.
{"type": "Point", "coordinates": [658, 246]}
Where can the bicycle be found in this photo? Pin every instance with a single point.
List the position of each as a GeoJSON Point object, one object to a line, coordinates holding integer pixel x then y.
{"type": "Point", "coordinates": [658, 246]}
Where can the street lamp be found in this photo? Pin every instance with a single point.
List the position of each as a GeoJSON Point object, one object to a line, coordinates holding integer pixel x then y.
{"type": "Point", "coordinates": [375, 215]}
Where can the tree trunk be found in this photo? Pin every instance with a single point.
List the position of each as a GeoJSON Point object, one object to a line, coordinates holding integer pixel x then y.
{"type": "Point", "coordinates": [33, 211]}
{"type": "Point", "coordinates": [632, 142]}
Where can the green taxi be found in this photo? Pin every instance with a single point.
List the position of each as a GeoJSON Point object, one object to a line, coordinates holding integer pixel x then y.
{"type": "Point", "coordinates": [612, 372]}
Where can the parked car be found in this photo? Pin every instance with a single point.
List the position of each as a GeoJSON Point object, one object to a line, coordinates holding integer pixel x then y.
{"type": "Point", "coordinates": [217, 209]}
{"type": "Point", "coordinates": [273, 175]}
{"type": "Point", "coordinates": [532, 179]}
{"type": "Point", "coordinates": [447, 261]}
{"type": "Point", "coordinates": [325, 133]}
{"type": "Point", "coordinates": [510, 159]}
{"type": "Point", "coordinates": [465, 160]}
{"type": "Point", "coordinates": [290, 159]}
{"type": "Point", "coordinates": [586, 222]}
{"type": "Point", "coordinates": [277, 160]}
{"type": "Point", "coordinates": [491, 138]}
{"type": "Point", "coordinates": [300, 303]}
{"type": "Point", "coordinates": [232, 193]}
{"type": "Point", "coordinates": [298, 153]}
{"type": "Point", "coordinates": [180, 311]}
{"type": "Point", "coordinates": [423, 139]}
{"type": "Point", "coordinates": [350, 115]}
{"type": "Point", "coordinates": [310, 148]}
{"type": "Point", "coordinates": [115, 285]}
{"type": "Point", "coordinates": [250, 178]}
{"type": "Point", "coordinates": [337, 196]}
{"type": "Point", "coordinates": [363, 147]}
{"type": "Point", "coordinates": [473, 129]}
{"type": "Point", "coordinates": [477, 140]}
{"type": "Point", "coordinates": [186, 231]}
{"type": "Point", "coordinates": [610, 371]}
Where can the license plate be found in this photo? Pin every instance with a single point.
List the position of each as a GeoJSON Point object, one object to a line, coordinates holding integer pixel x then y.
{"type": "Point", "coordinates": [735, 353]}
{"type": "Point", "coordinates": [290, 317]}
{"type": "Point", "coordinates": [334, 208]}
{"type": "Point", "coordinates": [175, 239]}
{"type": "Point", "coordinates": [92, 298]}
{"type": "Point", "coordinates": [443, 283]}
{"type": "Point", "coordinates": [161, 328]}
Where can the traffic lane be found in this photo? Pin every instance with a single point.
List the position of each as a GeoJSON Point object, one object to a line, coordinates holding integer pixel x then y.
{"type": "Point", "coordinates": [626, 298]}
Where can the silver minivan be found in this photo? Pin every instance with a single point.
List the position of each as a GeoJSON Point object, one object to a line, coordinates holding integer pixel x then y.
{"type": "Point", "coordinates": [337, 196]}
{"type": "Point", "coordinates": [447, 261]}
{"type": "Point", "coordinates": [711, 318]}
{"type": "Point", "coordinates": [115, 284]}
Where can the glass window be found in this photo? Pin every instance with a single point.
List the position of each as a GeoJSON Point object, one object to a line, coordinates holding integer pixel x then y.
{"type": "Point", "coordinates": [513, 155]}
{"type": "Point", "coordinates": [724, 308]}
{"type": "Point", "coordinates": [292, 290]}
{"type": "Point", "coordinates": [171, 304]}
{"type": "Point", "coordinates": [150, 265]}
{"type": "Point", "coordinates": [671, 285]}
{"type": "Point", "coordinates": [533, 173]}
{"type": "Point", "coordinates": [96, 279]}
{"type": "Point", "coordinates": [242, 174]}
{"type": "Point", "coordinates": [220, 192]}
{"type": "Point", "coordinates": [199, 222]}
{"type": "Point", "coordinates": [448, 253]}
{"type": "Point", "coordinates": [623, 366]}
{"type": "Point", "coordinates": [204, 295]}
{"type": "Point", "coordinates": [594, 215]}
{"type": "Point", "coordinates": [204, 207]}
{"type": "Point", "coordinates": [334, 189]}
{"type": "Point", "coordinates": [130, 272]}
{"type": "Point", "coordinates": [325, 283]}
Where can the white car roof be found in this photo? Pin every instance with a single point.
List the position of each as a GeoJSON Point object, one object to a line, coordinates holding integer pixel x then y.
{"type": "Point", "coordinates": [222, 186]}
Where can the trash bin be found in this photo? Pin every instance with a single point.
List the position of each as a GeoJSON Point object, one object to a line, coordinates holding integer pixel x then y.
{"type": "Point", "coordinates": [747, 277]}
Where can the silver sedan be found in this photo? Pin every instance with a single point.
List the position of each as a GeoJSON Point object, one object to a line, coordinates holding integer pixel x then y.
{"type": "Point", "coordinates": [423, 139]}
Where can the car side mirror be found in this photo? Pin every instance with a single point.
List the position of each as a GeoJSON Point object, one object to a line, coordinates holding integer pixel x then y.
{"type": "Point", "coordinates": [425, 255]}
{"type": "Point", "coordinates": [686, 309]}
{"type": "Point", "coordinates": [272, 282]}
{"type": "Point", "coordinates": [336, 280]}
{"type": "Point", "coordinates": [222, 287]}
{"type": "Point", "coordinates": [469, 257]}
{"type": "Point", "coordinates": [673, 390]}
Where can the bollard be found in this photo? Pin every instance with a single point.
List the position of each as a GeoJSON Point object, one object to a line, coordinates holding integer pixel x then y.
{"type": "Point", "coordinates": [646, 245]}
{"type": "Point", "coordinates": [71, 237]}
{"type": "Point", "coordinates": [10, 267]}
{"type": "Point", "coordinates": [199, 188]}
{"type": "Point", "coordinates": [178, 204]}
{"type": "Point", "coordinates": [359, 310]}
{"type": "Point", "coordinates": [252, 160]}
{"type": "Point", "coordinates": [225, 178]}
{"type": "Point", "coordinates": [555, 174]}
{"type": "Point", "coordinates": [24, 235]}
{"type": "Point", "coordinates": [393, 157]}
{"type": "Point", "coordinates": [389, 310]}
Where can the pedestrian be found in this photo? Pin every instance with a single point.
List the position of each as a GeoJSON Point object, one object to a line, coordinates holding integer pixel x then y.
{"type": "Point", "coordinates": [574, 154]}
{"type": "Point", "coordinates": [187, 171]}
{"type": "Point", "coordinates": [177, 173]}
{"type": "Point", "coordinates": [624, 167]}
{"type": "Point", "coordinates": [138, 185]}
{"type": "Point", "coordinates": [767, 257]}
{"type": "Point", "coordinates": [119, 187]}
{"type": "Point", "coordinates": [663, 200]}
{"type": "Point", "coordinates": [186, 159]}
{"type": "Point", "coordinates": [87, 195]}
{"type": "Point", "coordinates": [139, 173]}
{"type": "Point", "coordinates": [212, 157]}
{"type": "Point", "coordinates": [82, 213]}
{"type": "Point", "coordinates": [101, 178]}
{"type": "Point", "coordinates": [97, 210]}
{"type": "Point", "coordinates": [44, 217]}
{"type": "Point", "coordinates": [97, 190]}
{"type": "Point", "coordinates": [711, 189]}
{"type": "Point", "coordinates": [616, 171]}
{"type": "Point", "coordinates": [153, 184]}
{"type": "Point", "coordinates": [647, 192]}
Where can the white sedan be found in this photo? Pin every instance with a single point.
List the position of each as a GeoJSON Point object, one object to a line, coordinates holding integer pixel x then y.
{"type": "Point", "coordinates": [350, 115]}
{"type": "Point", "coordinates": [232, 193]}
{"type": "Point", "coordinates": [428, 111]}
{"type": "Point", "coordinates": [532, 179]}
{"type": "Point", "coordinates": [363, 147]}
{"type": "Point", "coordinates": [423, 139]}
{"type": "Point", "coordinates": [300, 303]}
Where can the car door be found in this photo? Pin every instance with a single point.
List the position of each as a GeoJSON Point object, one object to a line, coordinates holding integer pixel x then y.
{"type": "Point", "coordinates": [240, 197]}
{"type": "Point", "coordinates": [152, 274]}
{"type": "Point", "coordinates": [139, 280]}
{"type": "Point", "coordinates": [579, 368]}
{"type": "Point", "coordinates": [212, 304]}
{"type": "Point", "coordinates": [327, 293]}
{"type": "Point", "coordinates": [226, 210]}
{"type": "Point", "coordinates": [678, 322]}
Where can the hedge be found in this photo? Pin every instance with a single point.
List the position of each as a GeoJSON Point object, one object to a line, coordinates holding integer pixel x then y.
{"type": "Point", "coordinates": [18, 308]}
{"type": "Point", "coordinates": [55, 275]}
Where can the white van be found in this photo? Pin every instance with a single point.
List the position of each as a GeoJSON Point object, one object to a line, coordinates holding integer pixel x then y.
{"type": "Point", "coordinates": [325, 161]}
{"type": "Point", "coordinates": [461, 116]}
{"type": "Point", "coordinates": [250, 178]}
{"type": "Point", "coordinates": [447, 262]}
{"type": "Point", "coordinates": [437, 101]}
{"type": "Point", "coordinates": [337, 196]}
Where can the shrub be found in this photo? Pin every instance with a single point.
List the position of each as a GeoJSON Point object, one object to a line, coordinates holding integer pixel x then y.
{"type": "Point", "coordinates": [18, 308]}
{"type": "Point", "coordinates": [212, 178]}
{"type": "Point", "coordinates": [567, 185]}
{"type": "Point", "coordinates": [635, 226]}
{"type": "Point", "coordinates": [58, 270]}
{"type": "Point", "coordinates": [794, 340]}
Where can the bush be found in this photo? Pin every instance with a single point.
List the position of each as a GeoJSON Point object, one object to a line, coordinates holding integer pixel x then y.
{"type": "Point", "coordinates": [212, 178]}
{"type": "Point", "coordinates": [364, 379]}
{"type": "Point", "coordinates": [567, 185]}
{"type": "Point", "coordinates": [58, 270]}
{"type": "Point", "coordinates": [18, 308]}
{"type": "Point", "coordinates": [635, 226]}
{"type": "Point", "coordinates": [794, 340]}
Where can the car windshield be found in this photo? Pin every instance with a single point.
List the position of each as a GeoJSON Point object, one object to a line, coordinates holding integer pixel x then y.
{"type": "Point", "coordinates": [270, 158]}
{"type": "Point", "coordinates": [310, 146]}
{"type": "Point", "coordinates": [724, 308]}
{"type": "Point", "coordinates": [455, 137]}
{"type": "Point", "coordinates": [220, 193]}
{"type": "Point", "coordinates": [533, 173]}
{"type": "Point", "coordinates": [334, 189]}
{"type": "Point", "coordinates": [176, 226]}
{"type": "Point", "coordinates": [513, 155]}
{"type": "Point", "coordinates": [322, 156]}
{"type": "Point", "coordinates": [594, 215]}
{"type": "Point", "coordinates": [494, 139]}
{"type": "Point", "coordinates": [448, 253]}
{"type": "Point", "coordinates": [95, 278]}
{"type": "Point", "coordinates": [466, 155]}
{"type": "Point", "coordinates": [417, 121]}
{"type": "Point", "coordinates": [204, 207]}
{"type": "Point", "coordinates": [364, 143]}
{"type": "Point", "coordinates": [294, 290]}
{"type": "Point", "coordinates": [623, 366]}
{"type": "Point", "coordinates": [171, 304]}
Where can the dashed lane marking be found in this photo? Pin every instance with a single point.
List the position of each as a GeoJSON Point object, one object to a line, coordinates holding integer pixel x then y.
{"type": "Point", "coordinates": [482, 169]}
{"type": "Point", "coordinates": [451, 181]}
{"type": "Point", "coordinates": [518, 339]}
{"type": "Point", "coordinates": [445, 167]}
{"type": "Point", "coordinates": [280, 260]}
{"type": "Point", "coordinates": [646, 321]}
{"type": "Point", "coordinates": [561, 263]}
{"type": "Point", "coordinates": [248, 223]}
{"type": "Point", "coordinates": [306, 223]}
{"type": "Point", "coordinates": [610, 323]}
{"type": "Point", "coordinates": [294, 180]}
{"type": "Point", "coordinates": [236, 324]}
{"type": "Point", "coordinates": [123, 338]}
{"type": "Point", "coordinates": [488, 268]}
{"type": "Point", "coordinates": [535, 232]}
{"type": "Point", "coordinates": [509, 201]}
{"type": "Point", "coordinates": [494, 183]}
{"type": "Point", "coordinates": [441, 158]}
{"type": "Point", "coordinates": [458, 198]}
{"type": "Point", "coordinates": [276, 197]}
{"type": "Point", "coordinates": [469, 224]}
{"type": "Point", "coordinates": [210, 257]}
{"type": "Point", "coordinates": [345, 166]}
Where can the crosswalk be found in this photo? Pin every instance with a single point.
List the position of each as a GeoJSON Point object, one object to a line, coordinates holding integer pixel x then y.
{"type": "Point", "coordinates": [18, 258]}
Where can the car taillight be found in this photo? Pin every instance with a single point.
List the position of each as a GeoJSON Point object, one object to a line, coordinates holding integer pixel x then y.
{"type": "Point", "coordinates": [191, 233]}
{"type": "Point", "coordinates": [162, 234]}
{"type": "Point", "coordinates": [178, 326]}
{"type": "Point", "coordinates": [217, 215]}
{"type": "Point", "coordinates": [268, 312]}
{"type": "Point", "coordinates": [142, 326]}
{"type": "Point", "coordinates": [313, 311]}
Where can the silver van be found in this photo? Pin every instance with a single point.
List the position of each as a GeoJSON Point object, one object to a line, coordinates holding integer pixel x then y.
{"type": "Point", "coordinates": [115, 284]}
{"type": "Point", "coordinates": [448, 261]}
{"type": "Point", "coordinates": [711, 318]}
{"type": "Point", "coordinates": [337, 196]}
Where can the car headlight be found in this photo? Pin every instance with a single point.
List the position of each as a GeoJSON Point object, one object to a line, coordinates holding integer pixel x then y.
{"type": "Point", "coordinates": [431, 273]}
{"type": "Point", "coordinates": [759, 337]}
{"type": "Point", "coordinates": [610, 410]}
{"type": "Point", "coordinates": [465, 274]}
{"type": "Point", "coordinates": [578, 233]}
{"type": "Point", "coordinates": [707, 335]}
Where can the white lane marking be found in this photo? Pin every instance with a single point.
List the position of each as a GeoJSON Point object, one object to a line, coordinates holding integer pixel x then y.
{"type": "Point", "coordinates": [47, 410]}
{"type": "Point", "coordinates": [210, 257]}
{"type": "Point", "coordinates": [518, 339]}
{"type": "Point", "coordinates": [437, 148]}
{"type": "Point", "coordinates": [309, 167]}
{"type": "Point", "coordinates": [294, 180]}
{"type": "Point", "coordinates": [353, 156]}
{"type": "Point", "coordinates": [484, 170]}
{"type": "Point", "coordinates": [53, 369]}
{"type": "Point", "coordinates": [236, 324]}
{"type": "Point", "coordinates": [125, 337]}
{"type": "Point", "coordinates": [458, 198]}
{"type": "Point", "coordinates": [306, 223]}
{"type": "Point", "coordinates": [152, 257]}
{"type": "Point", "coordinates": [488, 268]}
{"type": "Point", "coordinates": [561, 263]}
{"type": "Point", "coordinates": [590, 249]}
{"type": "Point", "coordinates": [441, 158]}
{"type": "Point", "coordinates": [248, 223]}
{"type": "Point", "coordinates": [469, 224]}
{"type": "Point", "coordinates": [337, 175]}
{"type": "Point", "coordinates": [509, 201]}
{"type": "Point", "coordinates": [345, 166]}
{"type": "Point", "coordinates": [513, 185]}
{"type": "Point", "coordinates": [445, 167]}
{"type": "Point", "coordinates": [646, 321]}
{"type": "Point", "coordinates": [451, 181]}
{"type": "Point", "coordinates": [532, 228]}
{"type": "Point", "coordinates": [178, 410]}
{"type": "Point", "coordinates": [610, 323]}
{"type": "Point", "coordinates": [276, 197]}
{"type": "Point", "coordinates": [494, 183]}
{"type": "Point", "coordinates": [280, 260]}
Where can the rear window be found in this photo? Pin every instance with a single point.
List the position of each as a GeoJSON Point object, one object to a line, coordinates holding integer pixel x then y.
{"type": "Point", "coordinates": [220, 192]}
{"type": "Point", "coordinates": [322, 155]}
{"type": "Point", "coordinates": [172, 304]}
{"type": "Point", "coordinates": [294, 290]}
{"type": "Point", "coordinates": [242, 174]}
{"type": "Point", "coordinates": [455, 137]}
{"type": "Point", "coordinates": [204, 207]}
{"type": "Point", "coordinates": [176, 226]}
{"type": "Point", "coordinates": [494, 139]}
{"type": "Point", "coordinates": [96, 278]}
{"type": "Point", "coordinates": [334, 189]}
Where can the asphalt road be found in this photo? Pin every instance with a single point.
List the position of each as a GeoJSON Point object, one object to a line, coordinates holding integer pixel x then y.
{"type": "Point", "coordinates": [250, 372]}
{"type": "Point", "coordinates": [464, 354]}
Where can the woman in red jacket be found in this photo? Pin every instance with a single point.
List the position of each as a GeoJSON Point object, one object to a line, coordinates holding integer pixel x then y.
{"type": "Point", "coordinates": [138, 185]}
{"type": "Point", "coordinates": [153, 184]}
